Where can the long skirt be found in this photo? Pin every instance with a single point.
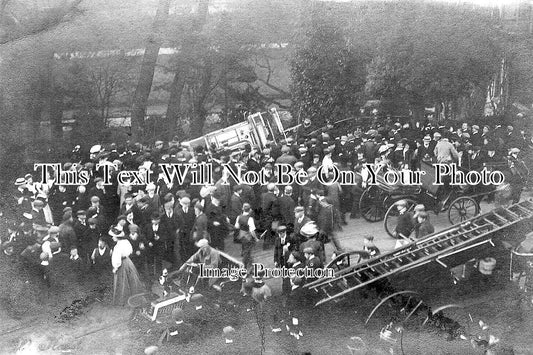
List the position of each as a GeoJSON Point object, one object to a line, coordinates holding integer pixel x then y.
{"type": "Point", "coordinates": [127, 283]}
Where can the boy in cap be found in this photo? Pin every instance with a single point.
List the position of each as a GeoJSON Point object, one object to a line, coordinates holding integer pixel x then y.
{"type": "Point", "coordinates": [92, 234]}
{"type": "Point", "coordinates": [370, 247]}
{"type": "Point", "coordinates": [423, 226]}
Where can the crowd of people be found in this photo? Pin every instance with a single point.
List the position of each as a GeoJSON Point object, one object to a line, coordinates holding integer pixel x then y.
{"type": "Point", "coordinates": [124, 227]}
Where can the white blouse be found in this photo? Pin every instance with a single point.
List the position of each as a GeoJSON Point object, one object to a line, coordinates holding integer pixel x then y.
{"type": "Point", "coordinates": [122, 249]}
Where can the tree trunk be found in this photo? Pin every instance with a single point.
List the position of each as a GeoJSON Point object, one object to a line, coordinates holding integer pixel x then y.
{"type": "Point", "coordinates": [56, 120]}
{"type": "Point", "coordinates": [178, 83]}
{"type": "Point", "coordinates": [197, 123]}
{"type": "Point", "coordinates": [37, 106]}
{"type": "Point", "coordinates": [146, 77]}
{"type": "Point", "coordinates": [418, 111]}
{"type": "Point", "coordinates": [55, 102]}
{"type": "Point", "coordinates": [174, 103]}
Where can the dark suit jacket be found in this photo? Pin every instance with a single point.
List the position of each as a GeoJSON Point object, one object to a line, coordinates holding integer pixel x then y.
{"type": "Point", "coordinates": [405, 224]}
{"type": "Point", "coordinates": [235, 208]}
{"type": "Point", "coordinates": [423, 229]}
{"type": "Point", "coordinates": [199, 230]}
{"type": "Point", "coordinates": [137, 218]}
{"type": "Point", "coordinates": [171, 225]}
{"type": "Point", "coordinates": [215, 214]}
{"type": "Point", "coordinates": [270, 206]}
{"type": "Point", "coordinates": [150, 236]}
{"type": "Point", "coordinates": [278, 250]}
{"type": "Point", "coordinates": [286, 207]}
{"type": "Point", "coordinates": [185, 220]}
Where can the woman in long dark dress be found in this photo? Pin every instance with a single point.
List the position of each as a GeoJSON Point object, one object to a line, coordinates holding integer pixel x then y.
{"type": "Point", "coordinates": [126, 277]}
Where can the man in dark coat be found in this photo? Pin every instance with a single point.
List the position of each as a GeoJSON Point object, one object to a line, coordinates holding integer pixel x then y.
{"type": "Point", "coordinates": [254, 165]}
{"type": "Point", "coordinates": [199, 229]}
{"type": "Point", "coordinates": [286, 206]}
{"type": "Point", "coordinates": [235, 208]}
{"type": "Point", "coordinates": [129, 206]}
{"type": "Point", "coordinates": [92, 235]}
{"type": "Point", "coordinates": [269, 213]}
{"type": "Point", "coordinates": [286, 156]}
{"type": "Point", "coordinates": [58, 200]}
{"type": "Point", "coordinates": [171, 225]}
{"type": "Point", "coordinates": [80, 229]}
{"type": "Point", "coordinates": [405, 225]}
{"type": "Point", "coordinates": [283, 246]}
{"type": "Point", "coordinates": [38, 213]}
{"type": "Point", "coordinates": [217, 224]}
{"type": "Point", "coordinates": [156, 236]}
{"type": "Point", "coordinates": [67, 235]}
{"type": "Point", "coordinates": [236, 203]}
{"type": "Point", "coordinates": [185, 215]}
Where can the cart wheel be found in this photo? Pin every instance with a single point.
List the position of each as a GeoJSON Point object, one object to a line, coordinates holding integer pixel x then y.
{"type": "Point", "coordinates": [391, 217]}
{"type": "Point", "coordinates": [461, 209]}
{"type": "Point", "coordinates": [371, 204]}
{"type": "Point", "coordinates": [345, 260]}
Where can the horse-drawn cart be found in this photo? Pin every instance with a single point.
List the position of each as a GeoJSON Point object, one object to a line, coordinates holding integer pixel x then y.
{"type": "Point", "coordinates": [460, 201]}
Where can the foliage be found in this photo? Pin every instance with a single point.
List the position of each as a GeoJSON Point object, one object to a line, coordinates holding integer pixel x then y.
{"type": "Point", "coordinates": [457, 55]}
{"type": "Point", "coordinates": [409, 54]}
{"type": "Point", "coordinates": [220, 63]}
{"type": "Point", "coordinates": [327, 76]}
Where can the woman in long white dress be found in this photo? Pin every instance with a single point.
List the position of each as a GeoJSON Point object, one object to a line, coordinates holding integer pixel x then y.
{"type": "Point", "coordinates": [126, 277]}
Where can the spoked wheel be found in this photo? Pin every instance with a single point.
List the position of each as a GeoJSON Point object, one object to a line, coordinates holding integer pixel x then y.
{"type": "Point", "coordinates": [391, 217]}
{"type": "Point", "coordinates": [371, 204]}
{"type": "Point", "coordinates": [347, 259]}
{"type": "Point", "coordinates": [461, 209]}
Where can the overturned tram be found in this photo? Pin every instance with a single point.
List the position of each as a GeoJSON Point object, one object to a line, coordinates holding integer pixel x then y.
{"type": "Point", "coordinates": [259, 129]}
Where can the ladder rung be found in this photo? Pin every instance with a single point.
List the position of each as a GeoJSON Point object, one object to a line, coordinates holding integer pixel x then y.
{"type": "Point", "coordinates": [421, 252]}
{"type": "Point", "coordinates": [507, 216]}
{"type": "Point", "coordinates": [380, 269]}
{"type": "Point", "coordinates": [354, 276]}
{"type": "Point", "coordinates": [368, 274]}
{"type": "Point", "coordinates": [514, 215]}
{"type": "Point", "coordinates": [393, 262]}
{"type": "Point", "coordinates": [502, 218]}
{"type": "Point", "coordinates": [489, 221]}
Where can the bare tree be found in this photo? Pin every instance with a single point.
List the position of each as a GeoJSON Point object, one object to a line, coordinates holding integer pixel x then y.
{"type": "Point", "coordinates": [146, 77]}
{"type": "Point", "coordinates": [178, 83]}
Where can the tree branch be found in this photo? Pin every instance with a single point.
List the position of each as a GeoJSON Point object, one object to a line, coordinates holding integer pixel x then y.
{"type": "Point", "coordinates": [275, 88]}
